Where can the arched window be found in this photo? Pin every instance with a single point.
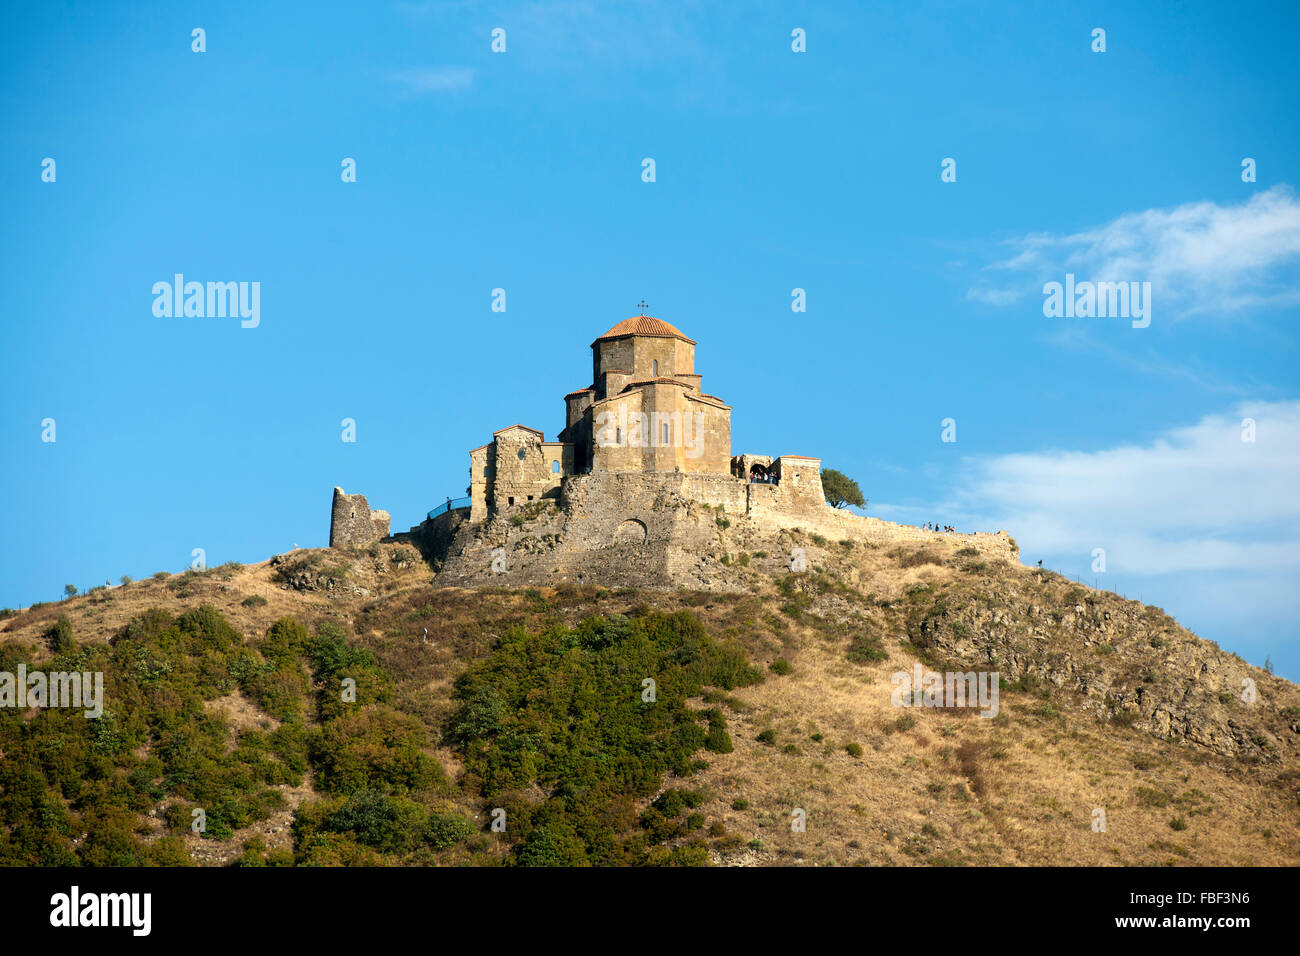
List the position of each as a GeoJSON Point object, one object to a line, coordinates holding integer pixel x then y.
{"type": "Point", "coordinates": [555, 467]}
{"type": "Point", "coordinates": [618, 436]}
{"type": "Point", "coordinates": [665, 438]}
{"type": "Point", "coordinates": [654, 368]}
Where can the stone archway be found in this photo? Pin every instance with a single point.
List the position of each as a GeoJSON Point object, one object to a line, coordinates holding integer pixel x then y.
{"type": "Point", "coordinates": [630, 531]}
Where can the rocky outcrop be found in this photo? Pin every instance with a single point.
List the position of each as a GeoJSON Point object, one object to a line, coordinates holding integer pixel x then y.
{"type": "Point", "coordinates": [1130, 663]}
{"type": "Point", "coordinates": [359, 573]}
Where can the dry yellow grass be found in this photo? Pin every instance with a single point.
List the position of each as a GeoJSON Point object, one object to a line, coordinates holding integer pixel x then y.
{"type": "Point", "coordinates": [908, 799]}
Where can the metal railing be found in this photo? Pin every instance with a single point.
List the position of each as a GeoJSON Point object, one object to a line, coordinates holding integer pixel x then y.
{"type": "Point", "coordinates": [452, 504]}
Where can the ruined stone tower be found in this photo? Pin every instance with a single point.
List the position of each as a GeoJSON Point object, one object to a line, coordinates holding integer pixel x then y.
{"type": "Point", "coordinates": [352, 523]}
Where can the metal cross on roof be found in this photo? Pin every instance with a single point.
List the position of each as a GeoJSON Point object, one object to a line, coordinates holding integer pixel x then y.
{"type": "Point", "coordinates": [643, 305]}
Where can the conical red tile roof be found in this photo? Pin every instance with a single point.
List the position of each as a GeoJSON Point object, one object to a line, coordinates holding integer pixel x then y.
{"type": "Point", "coordinates": [646, 325]}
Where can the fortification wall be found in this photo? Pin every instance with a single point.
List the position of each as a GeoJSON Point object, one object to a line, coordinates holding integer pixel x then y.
{"type": "Point", "coordinates": [652, 530]}
{"type": "Point", "coordinates": [837, 525]}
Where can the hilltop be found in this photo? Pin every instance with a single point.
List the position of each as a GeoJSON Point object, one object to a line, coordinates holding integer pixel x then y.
{"type": "Point", "coordinates": [774, 695]}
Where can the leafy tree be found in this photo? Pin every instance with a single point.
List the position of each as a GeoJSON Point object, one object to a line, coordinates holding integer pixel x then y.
{"type": "Point", "coordinates": [69, 590]}
{"type": "Point", "coordinates": [840, 489]}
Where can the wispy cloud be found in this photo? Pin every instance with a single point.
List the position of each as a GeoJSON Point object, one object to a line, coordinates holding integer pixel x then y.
{"type": "Point", "coordinates": [437, 79]}
{"type": "Point", "coordinates": [599, 49]}
{"type": "Point", "coordinates": [1196, 498]}
{"type": "Point", "coordinates": [1195, 520]}
{"type": "Point", "coordinates": [1200, 257]}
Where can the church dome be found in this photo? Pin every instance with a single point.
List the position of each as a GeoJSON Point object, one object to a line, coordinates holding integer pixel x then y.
{"type": "Point", "coordinates": [646, 325]}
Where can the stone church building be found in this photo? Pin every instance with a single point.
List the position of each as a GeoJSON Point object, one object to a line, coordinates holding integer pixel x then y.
{"type": "Point", "coordinates": [645, 411]}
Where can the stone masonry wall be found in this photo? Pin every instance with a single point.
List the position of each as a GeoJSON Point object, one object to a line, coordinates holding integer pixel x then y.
{"type": "Point", "coordinates": [521, 469]}
{"type": "Point", "coordinates": [352, 522]}
{"type": "Point", "coordinates": [656, 530]}
{"type": "Point", "coordinates": [481, 461]}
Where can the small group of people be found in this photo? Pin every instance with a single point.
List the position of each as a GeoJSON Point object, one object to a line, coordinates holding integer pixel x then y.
{"type": "Point", "coordinates": [935, 527]}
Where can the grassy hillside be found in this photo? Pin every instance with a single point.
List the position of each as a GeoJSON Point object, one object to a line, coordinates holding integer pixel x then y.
{"type": "Point", "coordinates": [338, 708]}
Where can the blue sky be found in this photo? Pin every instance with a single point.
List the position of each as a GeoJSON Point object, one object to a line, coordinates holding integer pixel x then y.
{"type": "Point", "coordinates": [775, 170]}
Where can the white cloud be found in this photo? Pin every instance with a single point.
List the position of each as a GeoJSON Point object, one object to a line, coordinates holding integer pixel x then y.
{"type": "Point", "coordinates": [1199, 257]}
{"type": "Point", "coordinates": [1195, 521]}
{"type": "Point", "coordinates": [1196, 498]}
{"type": "Point", "coordinates": [438, 79]}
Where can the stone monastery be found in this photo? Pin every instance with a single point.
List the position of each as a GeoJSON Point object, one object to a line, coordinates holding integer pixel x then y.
{"type": "Point", "coordinates": [644, 413]}
{"type": "Point", "coordinates": [637, 488]}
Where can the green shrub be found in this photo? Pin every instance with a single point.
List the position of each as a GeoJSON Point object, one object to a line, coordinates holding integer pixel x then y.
{"type": "Point", "coordinates": [717, 740]}
{"type": "Point", "coordinates": [866, 649]}
{"type": "Point", "coordinates": [903, 724]}
{"type": "Point", "coordinates": [553, 844]}
{"type": "Point", "coordinates": [914, 557]}
{"type": "Point", "coordinates": [1150, 797]}
{"type": "Point", "coordinates": [59, 637]}
{"type": "Point", "coordinates": [254, 600]}
{"type": "Point", "coordinates": [374, 747]}
{"type": "Point", "coordinates": [779, 666]}
{"type": "Point", "coordinates": [446, 829]}
{"type": "Point", "coordinates": [561, 710]}
{"type": "Point", "coordinates": [375, 819]}
{"type": "Point", "coordinates": [853, 750]}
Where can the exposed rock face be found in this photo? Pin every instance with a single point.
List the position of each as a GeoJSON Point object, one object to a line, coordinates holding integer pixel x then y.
{"type": "Point", "coordinates": [1132, 663]}
{"type": "Point", "coordinates": [336, 575]}
{"type": "Point", "coordinates": [353, 524]}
